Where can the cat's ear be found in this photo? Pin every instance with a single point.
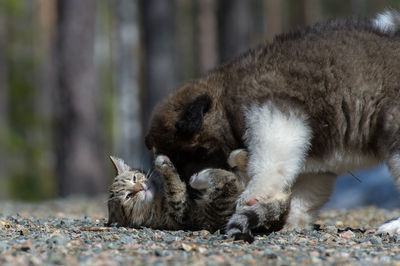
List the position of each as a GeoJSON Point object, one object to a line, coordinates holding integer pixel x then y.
{"type": "Point", "coordinates": [119, 165]}
{"type": "Point", "coordinates": [193, 116]}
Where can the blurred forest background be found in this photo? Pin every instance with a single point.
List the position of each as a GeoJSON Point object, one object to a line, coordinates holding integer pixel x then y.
{"type": "Point", "coordinates": [80, 78]}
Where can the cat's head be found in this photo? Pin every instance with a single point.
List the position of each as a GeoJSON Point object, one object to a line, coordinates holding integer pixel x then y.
{"type": "Point", "coordinates": [129, 195]}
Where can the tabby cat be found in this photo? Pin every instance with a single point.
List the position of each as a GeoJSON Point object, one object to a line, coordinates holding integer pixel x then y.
{"type": "Point", "coordinates": [168, 203]}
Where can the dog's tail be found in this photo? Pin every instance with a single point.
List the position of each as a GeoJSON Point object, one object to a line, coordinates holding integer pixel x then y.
{"type": "Point", "coordinates": [387, 22]}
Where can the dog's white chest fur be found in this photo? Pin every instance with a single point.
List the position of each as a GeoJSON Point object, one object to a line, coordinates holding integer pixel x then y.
{"type": "Point", "coordinates": [340, 162]}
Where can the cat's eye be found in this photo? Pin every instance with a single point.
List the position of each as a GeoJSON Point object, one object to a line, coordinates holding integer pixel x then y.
{"type": "Point", "coordinates": [134, 178]}
{"type": "Point", "coordinates": [128, 196]}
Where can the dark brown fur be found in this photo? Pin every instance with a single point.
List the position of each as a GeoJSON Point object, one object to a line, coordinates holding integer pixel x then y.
{"type": "Point", "coordinates": [343, 75]}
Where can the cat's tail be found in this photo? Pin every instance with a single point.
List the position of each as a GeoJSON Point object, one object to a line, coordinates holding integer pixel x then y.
{"type": "Point", "coordinates": [387, 22]}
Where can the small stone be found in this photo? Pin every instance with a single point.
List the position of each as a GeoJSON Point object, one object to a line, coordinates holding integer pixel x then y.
{"type": "Point", "coordinates": [5, 224]}
{"type": "Point", "coordinates": [344, 254]}
{"type": "Point", "coordinates": [331, 229]}
{"type": "Point", "coordinates": [281, 241]}
{"type": "Point", "coordinates": [376, 240]}
{"type": "Point", "coordinates": [3, 246]}
{"type": "Point", "coordinates": [202, 250]}
{"type": "Point", "coordinates": [24, 232]}
{"type": "Point", "coordinates": [204, 233]}
{"type": "Point", "coordinates": [339, 223]}
{"type": "Point", "coordinates": [316, 260]}
{"type": "Point", "coordinates": [385, 259]}
{"type": "Point", "coordinates": [217, 233]}
{"type": "Point", "coordinates": [298, 230]}
{"type": "Point", "coordinates": [186, 246]}
{"type": "Point", "coordinates": [55, 241]}
{"type": "Point", "coordinates": [347, 235]}
{"type": "Point", "coordinates": [270, 254]}
{"type": "Point", "coordinates": [159, 252]}
{"type": "Point", "coordinates": [395, 239]}
{"type": "Point", "coordinates": [26, 246]}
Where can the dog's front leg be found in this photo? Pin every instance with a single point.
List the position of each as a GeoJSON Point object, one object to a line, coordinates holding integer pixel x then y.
{"type": "Point", "coordinates": [277, 142]}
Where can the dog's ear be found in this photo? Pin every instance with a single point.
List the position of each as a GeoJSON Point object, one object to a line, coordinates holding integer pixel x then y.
{"type": "Point", "coordinates": [192, 118]}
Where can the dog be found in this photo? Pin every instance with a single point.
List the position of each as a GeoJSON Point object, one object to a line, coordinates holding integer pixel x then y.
{"type": "Point", "coordinates": [313, 104]}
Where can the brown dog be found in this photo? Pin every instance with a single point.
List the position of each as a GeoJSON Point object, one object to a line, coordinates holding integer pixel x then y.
{"type": "Point", "coordinates": [309, 106]}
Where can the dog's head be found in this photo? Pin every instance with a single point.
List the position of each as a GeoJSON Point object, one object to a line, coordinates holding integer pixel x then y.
{"type": "Point", "coordinates": [192, 129]}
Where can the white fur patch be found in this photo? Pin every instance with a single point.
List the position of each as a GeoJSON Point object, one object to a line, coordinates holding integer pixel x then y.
{"type": "Point", "coordinates": [277, 143]}
{"type": "Point", "coordinates": [391, 227]}
{"type": "Point", "coordinates": [387, 22]}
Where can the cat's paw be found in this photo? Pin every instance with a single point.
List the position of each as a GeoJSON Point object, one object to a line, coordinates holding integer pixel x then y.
{"type": "Point", "coordinates": [201, 180]}
{"type": "Point", "coordinates": [391, 227]}
{"type": "Point", "coordinates": [238, 158]}
{"type": "Point", "coordinates": [162, 163]}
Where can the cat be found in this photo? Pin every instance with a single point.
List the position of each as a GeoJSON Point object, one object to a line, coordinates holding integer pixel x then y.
{"type": "Point", "coordinates": [137, 200]}
{"type": "Point", "coordinates": [311, 105]}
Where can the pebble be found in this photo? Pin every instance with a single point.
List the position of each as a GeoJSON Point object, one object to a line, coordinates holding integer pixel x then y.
{"type": "Point", "coordinates": [347, 235]}
{"type": "Point", "coordinates": [376, 240]}
{"type": "Point", "coordinates": [331, 229]}
{"type": "Point", "coordinates": [270, 254]}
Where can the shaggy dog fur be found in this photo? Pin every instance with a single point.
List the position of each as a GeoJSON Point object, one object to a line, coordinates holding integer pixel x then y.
{"type": "Point", "coordinates": [311, 105]}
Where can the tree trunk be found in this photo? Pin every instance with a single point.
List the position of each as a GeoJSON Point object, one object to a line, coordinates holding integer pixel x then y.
{"type": "Point", "coordinates": [80, 158]}
{"type": "Point", "coordinates": [3, 104]}
{"type": "Point", "coordinates": [186, 56]}
{"type": "Point", "coordinates": [46, 17]}
{"type": "Point", "coordinates": [159, 41]}
{"type": "Point", "coordinates": [234, 28]}
{"type": "Point", "coordinates": [206, 35]}
{"type": "Point", "coordinates": [272, 18]}
{"type": "Point", "coordinates": [128, 108]}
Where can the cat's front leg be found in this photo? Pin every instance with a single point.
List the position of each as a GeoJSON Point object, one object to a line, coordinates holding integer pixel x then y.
{"type": "Point", "coordinates": [214, 182]}
{"type": "Point", "coordinates": [277, 142]}
{"type": "Point", "coordinates": [174, 188]}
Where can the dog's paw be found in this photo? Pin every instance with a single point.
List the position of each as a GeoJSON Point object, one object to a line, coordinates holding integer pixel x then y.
{"type": "Point", "coordinates": [391, 227]}
{"type": "Point", "coordinates": [239, 225]}
{"type": "Point", "coordinates": [201, 180]}
{"type": "Point", "coordinates": [163, 163]}
{"type": "Point", "coordinates": [269, 213]}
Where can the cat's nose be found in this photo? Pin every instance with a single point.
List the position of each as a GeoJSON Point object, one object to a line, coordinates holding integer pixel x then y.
{"type": "Point", "coordinates": [141, 188]}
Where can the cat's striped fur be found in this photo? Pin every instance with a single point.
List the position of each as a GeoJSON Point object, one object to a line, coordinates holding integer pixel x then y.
{"type": "Point", "coordinates": [206, 203]}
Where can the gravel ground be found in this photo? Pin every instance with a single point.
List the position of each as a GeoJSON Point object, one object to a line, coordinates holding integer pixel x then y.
{"type": "Point", "coordinates": [72, 232]}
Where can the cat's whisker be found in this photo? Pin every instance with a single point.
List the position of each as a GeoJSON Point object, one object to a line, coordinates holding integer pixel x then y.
{"type": "Point", "coordinates": [150, 174]}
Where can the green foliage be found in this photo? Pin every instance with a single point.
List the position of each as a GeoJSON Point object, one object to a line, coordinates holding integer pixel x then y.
{"type": "Point", "coordinates": [12, 7]}
{"type": "Point", "coordinates": [28, 178]}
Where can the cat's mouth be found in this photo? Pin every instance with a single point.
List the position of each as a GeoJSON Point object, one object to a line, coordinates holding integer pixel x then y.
{"type": "Point", "coordinates": [147, 191]}
{"type": "Point", "coordinates": [143, 187]}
